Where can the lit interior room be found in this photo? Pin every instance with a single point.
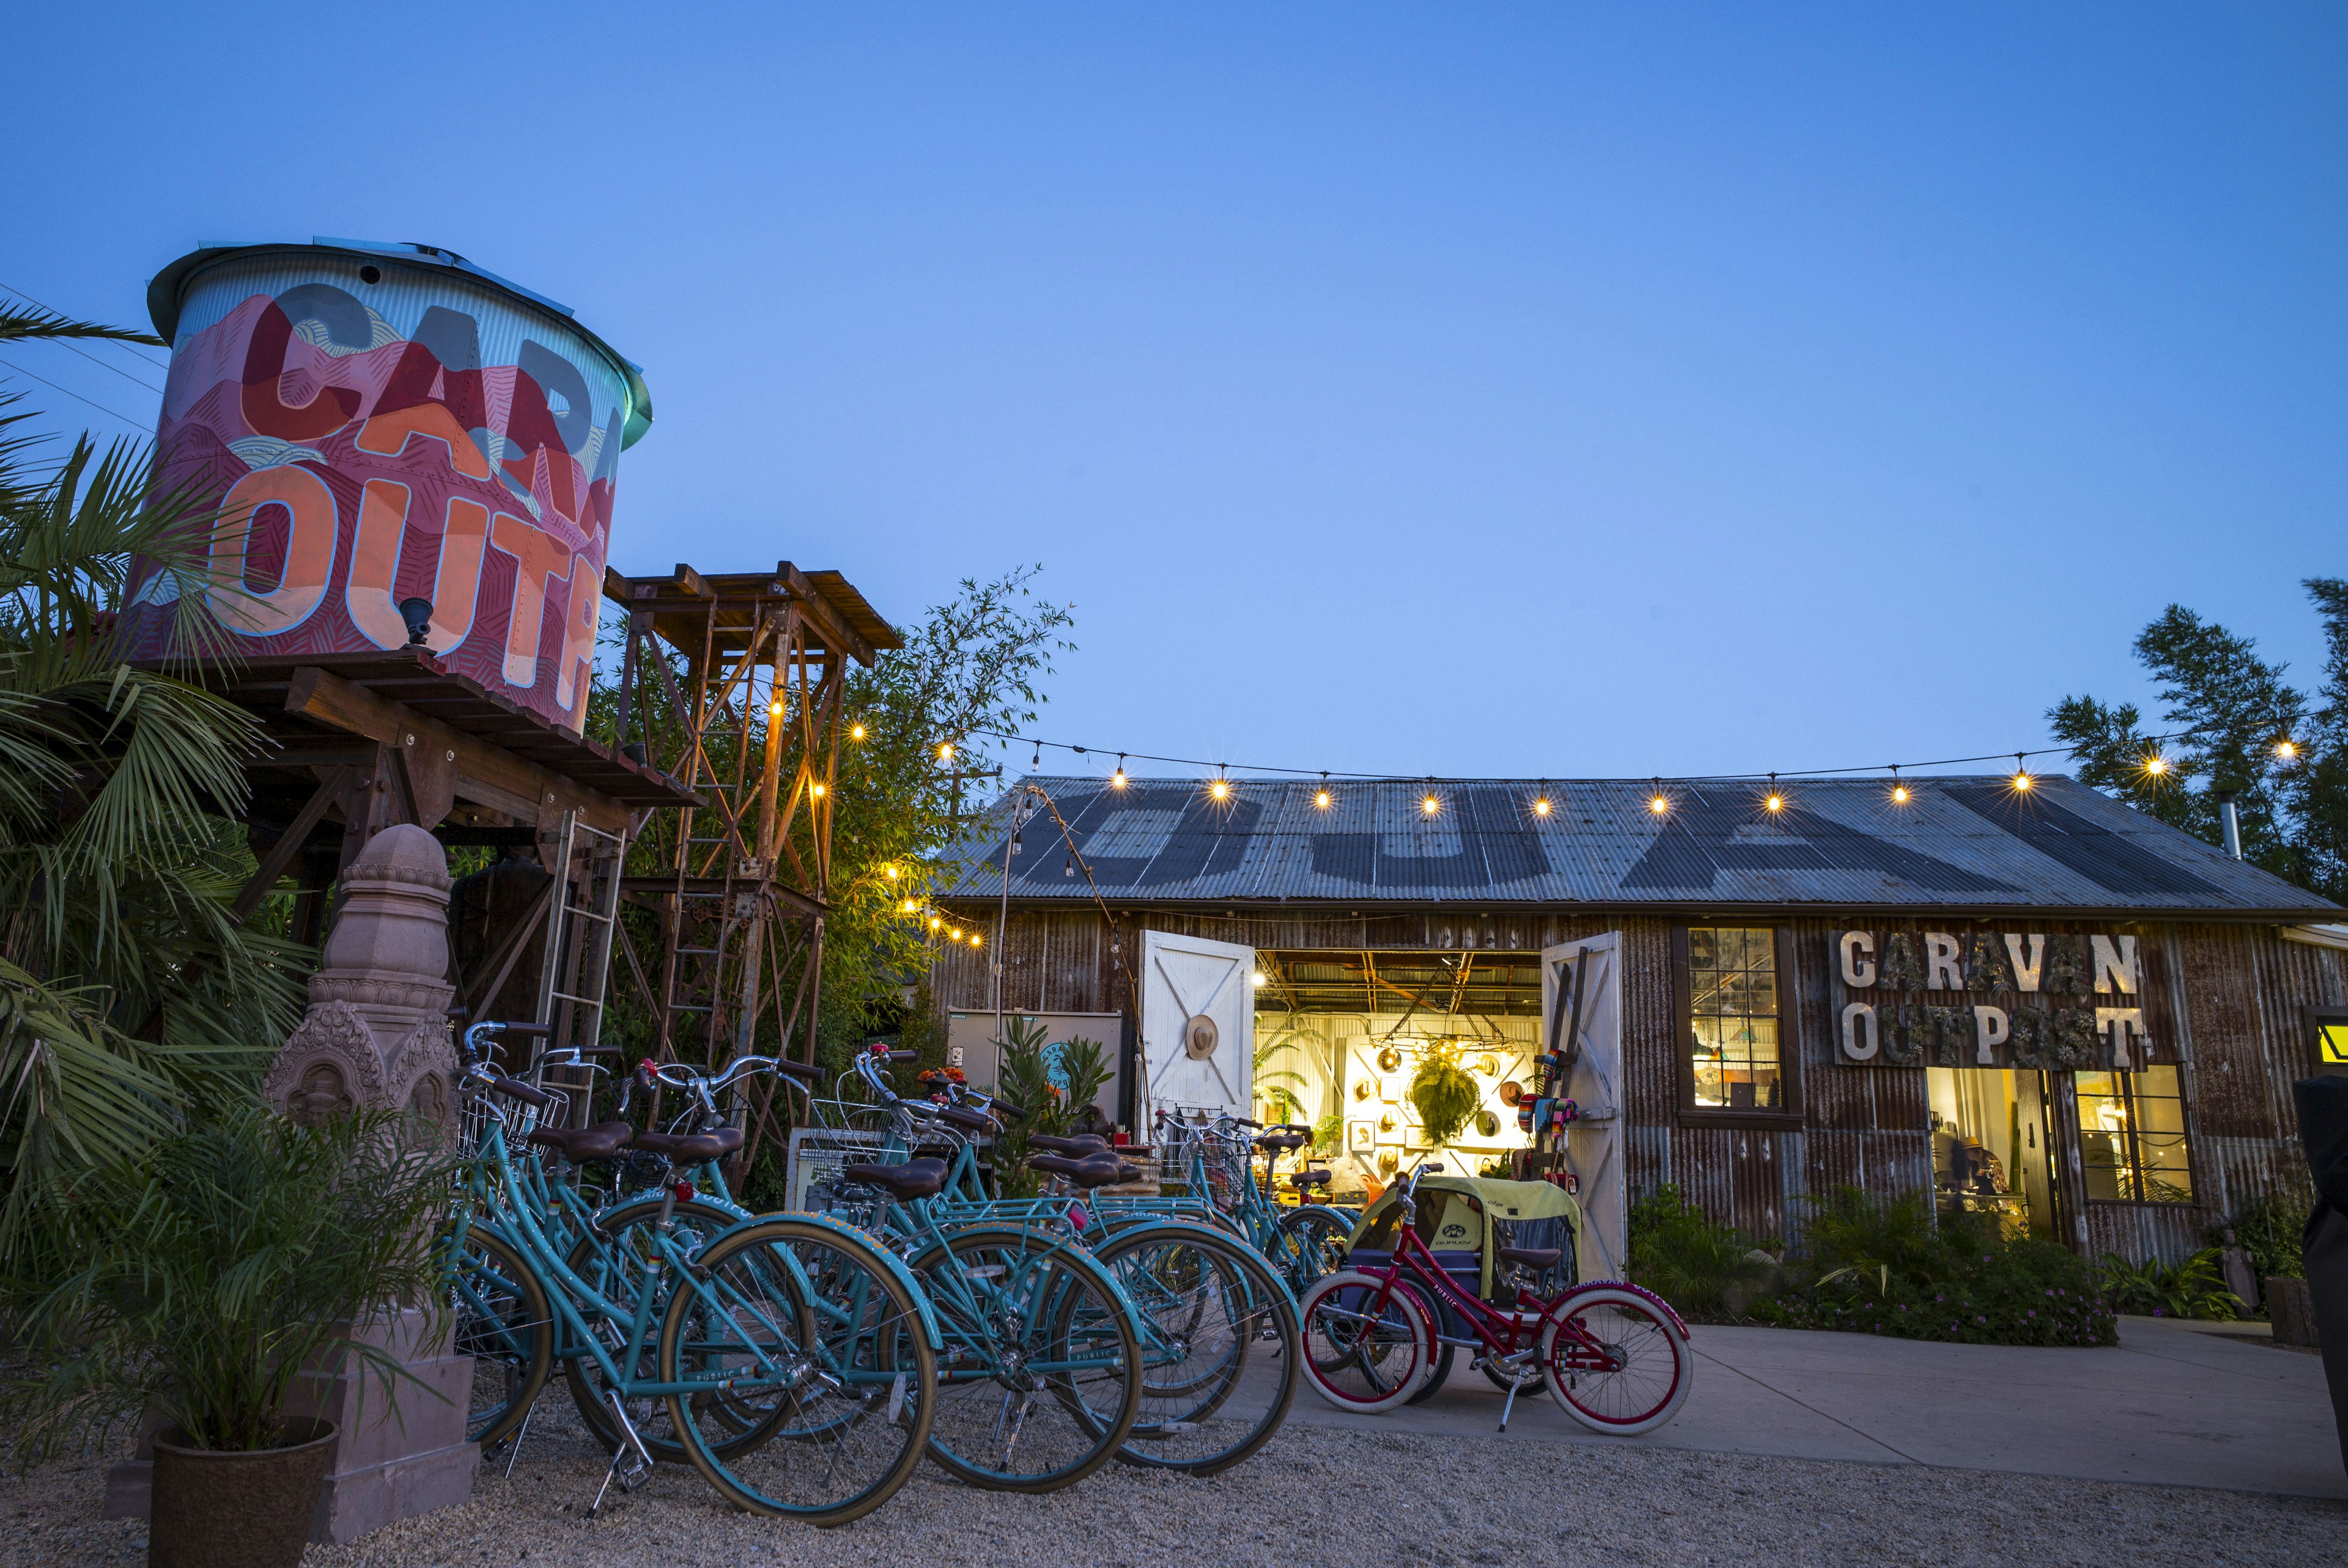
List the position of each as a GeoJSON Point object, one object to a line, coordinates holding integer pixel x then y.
{"type": "Point", "coordinates": [1343, 1039]}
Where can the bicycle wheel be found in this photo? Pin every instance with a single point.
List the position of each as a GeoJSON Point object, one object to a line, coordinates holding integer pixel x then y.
{"type": "Point", "coordinates": [1321, 1236]}
{"type": "Point", "coordinates": [617, 1257]}
{"type": "Point", "coordinates": [812, 1329]}
{"type": "Point", "coordinates": [505, 1325]}
{"type": "Point", "coordinates": [1219, 1347]}
{"type": "Point", "coordinates": [1361, 1355]}
{"type": "Point", "coordinates": [1041, 1376]}
{"type": "Point", "coordinates": [1615, 1362]}
{"type": "Point", "coordinates": [1445, 1355]}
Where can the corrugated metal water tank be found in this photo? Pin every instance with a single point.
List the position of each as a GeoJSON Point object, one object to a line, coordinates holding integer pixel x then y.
{"type": "Point", "coordinates": [382, 425]}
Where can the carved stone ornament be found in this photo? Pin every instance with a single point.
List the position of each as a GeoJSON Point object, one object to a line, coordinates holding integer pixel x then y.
{"type": "Point", "coordinates": [330, 1064]}
{"type": "Point", "coordinates": [375, 1037]}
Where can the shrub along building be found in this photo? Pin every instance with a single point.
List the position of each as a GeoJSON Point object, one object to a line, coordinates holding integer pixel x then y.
{"type": "Point", "coordinates": [2027, 1000]}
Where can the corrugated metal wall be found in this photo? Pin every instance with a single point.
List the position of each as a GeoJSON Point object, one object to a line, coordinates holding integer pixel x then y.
{"type": "Point", "coordinates": [2230, 997]}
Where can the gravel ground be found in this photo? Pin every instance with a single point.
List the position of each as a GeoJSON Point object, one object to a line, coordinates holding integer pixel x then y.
{"type": "Point", "coordinates": [1313, 1496]}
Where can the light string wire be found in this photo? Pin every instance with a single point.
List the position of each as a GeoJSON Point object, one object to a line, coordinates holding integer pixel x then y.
{"type": "Point", "coordinates": [2020, 756]}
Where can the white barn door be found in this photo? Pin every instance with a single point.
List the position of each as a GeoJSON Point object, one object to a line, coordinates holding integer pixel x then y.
{"type": "Point", "coordinates": [1593, 1145]}
{"type": "Point", "coordinates": [1198, 1024]}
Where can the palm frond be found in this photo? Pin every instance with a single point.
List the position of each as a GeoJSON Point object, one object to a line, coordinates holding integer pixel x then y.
{"type": "Point", "coordinates": [27, 324]}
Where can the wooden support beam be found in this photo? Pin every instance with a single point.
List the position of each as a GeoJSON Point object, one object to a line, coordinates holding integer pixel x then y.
{"type": "Point", "coordinates": [468, 767]}
{"type": "Point", "coordinates": [289, 844]}
{"type": "Point", "coordinates": [837, 636]}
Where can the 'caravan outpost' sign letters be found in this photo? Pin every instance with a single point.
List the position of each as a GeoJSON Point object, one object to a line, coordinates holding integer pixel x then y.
{"type": "Point", "coordinates": [2049, 1012]}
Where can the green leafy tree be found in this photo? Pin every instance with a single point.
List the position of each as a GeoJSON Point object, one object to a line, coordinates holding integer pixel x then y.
{"type": "Point", "coordinates": [2241, 727]}
{"type": "Point", "coordinates": [127, 986]}
{"type": "Point", "coordinates": [971, 668]}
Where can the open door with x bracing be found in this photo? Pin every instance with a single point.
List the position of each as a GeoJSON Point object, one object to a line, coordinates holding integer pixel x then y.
{"type": "Point", "coordinates": [1198, 1024]}
{"type": "Point", "coordinates": [1581, 1019]}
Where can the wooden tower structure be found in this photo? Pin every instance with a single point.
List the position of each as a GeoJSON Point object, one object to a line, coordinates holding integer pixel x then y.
{"type": "Point", "coordinates": [735, 684]}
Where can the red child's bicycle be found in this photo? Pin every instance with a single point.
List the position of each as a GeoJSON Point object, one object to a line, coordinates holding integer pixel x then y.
{"type": "Point", "coordinates": [1613, 1355]}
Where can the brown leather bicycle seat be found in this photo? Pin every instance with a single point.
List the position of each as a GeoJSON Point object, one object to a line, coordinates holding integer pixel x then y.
{"type": "Point", "coordinates": [691, 1148]}
{"type": "Point", "coordinates": [1283, 1141]}
{"type": "Point", "coordinates": [904, 1183]}
{"type": "Point", "coordinates": [581, 1145]}
{"type": "Point", "coordinates": [964, 1117]}
{"type": "Point", "coordinates": [1533, 1257]}
{"type": "Point", "coordinates": [1076, 1146]}
{"type": "Point", "coordinates": [1093, 1170]}
{"type": "Point", "coordinates": [1304, 1178]}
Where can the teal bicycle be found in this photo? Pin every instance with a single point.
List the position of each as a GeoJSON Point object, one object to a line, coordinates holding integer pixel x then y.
{"type": "Point", "coordinates": [788, 1359]}
{"type": "Point", "coordinates": [1220, 1352]}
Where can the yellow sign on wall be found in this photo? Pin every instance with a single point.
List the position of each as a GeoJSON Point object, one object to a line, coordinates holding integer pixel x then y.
{"type": "Point", "coordinates": [2332, 1043]}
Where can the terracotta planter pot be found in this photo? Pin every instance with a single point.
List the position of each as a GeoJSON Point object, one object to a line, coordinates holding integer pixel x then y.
{"type": "Point", "coordinates": [216, 1509]}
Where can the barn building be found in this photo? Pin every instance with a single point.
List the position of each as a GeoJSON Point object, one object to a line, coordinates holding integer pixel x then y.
{"type": "Point", "coordinates": [2030, 1001]}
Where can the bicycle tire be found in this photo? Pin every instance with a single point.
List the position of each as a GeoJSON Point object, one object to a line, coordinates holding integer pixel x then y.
{"type": "Point", "coordinates": [1445, 1355]}
{"type": "Point", "coordinates": [581, 1374]}
{"type": "Point", "coordinates": [1189, 1421]}
{"type": "Point", "coordinates": [506, 1324]}
{"type": "Point", "coordinates": [1321, 1235]}
{"type": "Point", "coordinates": [989, 1340]}
{"type": "Point", "coordinates": [1359, 1364]}
{"type": "Point", "coordinates": [1613, 1390]}
{"type": "Point", "coordinates": [867, 1374]}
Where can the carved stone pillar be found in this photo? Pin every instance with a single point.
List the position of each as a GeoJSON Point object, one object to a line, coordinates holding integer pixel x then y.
{"type": "Point", "coordinates": [375, 1037]}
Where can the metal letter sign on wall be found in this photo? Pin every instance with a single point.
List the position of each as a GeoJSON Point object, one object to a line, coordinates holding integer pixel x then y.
{"type": "Point", "coordinates": [1988, 1000]}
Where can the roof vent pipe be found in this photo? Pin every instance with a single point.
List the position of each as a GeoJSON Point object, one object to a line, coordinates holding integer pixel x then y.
{"type": "Point", "coordinates": [2233, 822]}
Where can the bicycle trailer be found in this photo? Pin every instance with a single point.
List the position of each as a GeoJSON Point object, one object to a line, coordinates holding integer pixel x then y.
{"type": "Point", "coordinates": [1494, 1238]}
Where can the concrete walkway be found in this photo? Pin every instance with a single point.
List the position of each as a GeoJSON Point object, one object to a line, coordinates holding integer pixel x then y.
{"type": "Point", "coordinates": [2174, 1404]}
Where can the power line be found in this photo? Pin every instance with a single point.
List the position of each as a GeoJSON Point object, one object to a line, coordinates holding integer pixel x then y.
{"type": "Point", "coordinates": [144, 430]}
{"type": "Point", "coordinates": [76, 348]}
{"type": "Point", "coordinates": [133, 348]}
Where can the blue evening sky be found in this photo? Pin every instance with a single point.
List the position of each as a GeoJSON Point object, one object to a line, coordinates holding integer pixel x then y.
{"type": "Point", "coordinates": [1521, 391]}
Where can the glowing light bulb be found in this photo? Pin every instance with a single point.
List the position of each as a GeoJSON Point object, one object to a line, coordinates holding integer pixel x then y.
{"type": "Point", "coordinates": [2155, 764]}
{"type": "Point", "coordinates": [1540, 806]}
{"type": "Point", "coordinates": [816, 790]}
{"type": "Point", "coordinates": [1117, 779]}
{"type": "Point", "coordinates": [890, 872]}
{"type": "Point", "coordinates": [935, 922]}
{"type": "Point", "coordinates": [1431, 805]}
{"type": "Point", "coordinates": [855, 731]}
{"type": "Point", "coordinates": [2286, 750]}
{"type": "Point", "coordinates": [1900, 794]}
{"type": "Point", "coordinates": [955, 932]}
{"type": "Point", "coordinates": [775, 710]}
{"type": "Point", "coordinates": [1776, 803]}
{"type": "Point", "coordinates": [976, 940]}
{"type": "Point", "coordinates": [910, 905]}
{"type": "Point", "coordinates": [1256, 979]}
{"type": "Point", "coordinates": [1322, 799]}
{"type": "Point", "coordinates": [2022, 782]}
{"type": "Point", "coordinates": [1659, 805]}
{"type": "Point", "coordinates": [946, 754]}
{"type": "Point", "coordinates": [1220, 790]}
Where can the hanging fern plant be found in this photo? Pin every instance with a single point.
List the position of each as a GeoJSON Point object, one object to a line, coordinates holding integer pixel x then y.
{"type": "Point", "coordinates": [1445, 1092]}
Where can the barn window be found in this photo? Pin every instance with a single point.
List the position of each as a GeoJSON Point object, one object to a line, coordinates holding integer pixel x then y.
{"type": "Point", "coordinates": [2132, 1137]}
{"type": "Point", "coordinates": [1733, 1058]}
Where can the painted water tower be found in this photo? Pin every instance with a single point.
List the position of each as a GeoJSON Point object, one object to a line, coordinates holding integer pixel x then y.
{"type": "Point", "coordinates": [404, 450]}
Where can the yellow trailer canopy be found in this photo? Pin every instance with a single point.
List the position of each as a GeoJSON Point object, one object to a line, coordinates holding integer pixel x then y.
{"type": "Point", "coordinates": [1478, 1213]}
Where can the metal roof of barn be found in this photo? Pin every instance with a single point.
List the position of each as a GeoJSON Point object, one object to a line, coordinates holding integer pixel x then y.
{"type": "Point", "coordinates": [1963, 843]}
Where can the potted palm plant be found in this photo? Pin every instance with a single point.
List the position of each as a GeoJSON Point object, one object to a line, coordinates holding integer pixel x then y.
{"type": "Point", "coordinates": [215, 1277]}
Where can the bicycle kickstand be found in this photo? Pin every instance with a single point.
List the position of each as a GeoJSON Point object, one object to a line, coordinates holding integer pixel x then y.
{"type": "Point", "coordinates": [632, 1466]}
